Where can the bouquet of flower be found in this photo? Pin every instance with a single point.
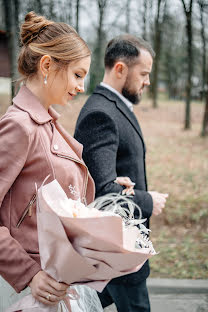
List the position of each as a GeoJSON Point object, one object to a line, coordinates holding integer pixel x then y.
{"type": "Point", "coordinates": [86, 245]}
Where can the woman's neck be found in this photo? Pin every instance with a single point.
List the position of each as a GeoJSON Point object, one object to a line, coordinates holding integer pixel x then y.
{"type": "Point", "coordinates": [39, 91]}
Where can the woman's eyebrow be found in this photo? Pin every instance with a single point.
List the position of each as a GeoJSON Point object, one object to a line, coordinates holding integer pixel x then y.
{"type": "Point", "coordinates": [84, 70]}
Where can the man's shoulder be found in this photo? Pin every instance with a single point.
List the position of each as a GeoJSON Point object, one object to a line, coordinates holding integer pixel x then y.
{"type": "Point", "coordinates": [99, 101]}
{"type": "Point", "coordinates": [101, 94]}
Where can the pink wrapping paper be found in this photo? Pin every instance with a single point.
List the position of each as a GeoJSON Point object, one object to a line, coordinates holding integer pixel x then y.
{"type": "Point", "coordinates": [82, 250]}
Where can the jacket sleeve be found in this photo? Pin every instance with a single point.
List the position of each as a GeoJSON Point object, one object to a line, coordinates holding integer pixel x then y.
{"type": "Point", "coordinates": [144, 200]}
{"type": "Point", "coordinates": [100, 137]}
{"type": "Point", "coordinates": [16, 266]}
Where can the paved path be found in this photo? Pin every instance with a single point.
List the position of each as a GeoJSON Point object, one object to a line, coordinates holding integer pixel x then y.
{"type": "Point", "coordinates": [175, 303]}
{"type": "Point", "coordinates": [170, 295]}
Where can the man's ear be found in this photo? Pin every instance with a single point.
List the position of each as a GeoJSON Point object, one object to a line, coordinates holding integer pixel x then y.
{"type": "Point", "coordinates": [45, 64]}
{"type": "Point", "coordinates": [121, 70]}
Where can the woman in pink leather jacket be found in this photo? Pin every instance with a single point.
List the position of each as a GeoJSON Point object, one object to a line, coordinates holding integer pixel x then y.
{"type": "Point", "coordinates": [53, 61]}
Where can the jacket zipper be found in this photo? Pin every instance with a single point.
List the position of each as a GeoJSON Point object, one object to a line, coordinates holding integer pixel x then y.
{"type": "Point", "coordinates": [28, 210]}
{"type": "Point", "coordinates": [86, 180]}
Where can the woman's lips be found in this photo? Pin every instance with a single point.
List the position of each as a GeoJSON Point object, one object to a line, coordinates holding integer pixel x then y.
{"type": "Point", "coordinates": [71, 95]}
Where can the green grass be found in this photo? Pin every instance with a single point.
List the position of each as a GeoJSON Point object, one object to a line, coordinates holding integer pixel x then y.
{"type": "Point", "coordinates": [182, 257]}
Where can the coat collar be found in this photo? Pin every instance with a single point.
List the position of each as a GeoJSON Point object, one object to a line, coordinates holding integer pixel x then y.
{"type": "Point", "coordinates": [111, 96]}
{"type": "Point", "coordinates": [28, 102]}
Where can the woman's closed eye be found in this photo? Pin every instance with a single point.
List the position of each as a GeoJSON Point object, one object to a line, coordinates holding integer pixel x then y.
{"type": "Point", "coordinates": [78, 76]}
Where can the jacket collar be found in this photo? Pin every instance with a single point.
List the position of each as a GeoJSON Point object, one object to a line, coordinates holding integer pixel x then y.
{"type": "Point", "coordinates": [111, 96]}
{"type": "Point", "coordinates": [28, 102]}
{"type": "Point", "coordinates": [125, 100]}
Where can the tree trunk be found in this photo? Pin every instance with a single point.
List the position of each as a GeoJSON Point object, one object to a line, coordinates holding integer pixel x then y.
{"type": "Point", "coordinates": [157, 48]}
{"type": "Point", "coordinates": [127, 28]}
{"type": "Point", "coordinates": [190, 70]}
{"type": "Point", "coordinates": [100, 30]}
{"type": "Point", "coordinates": [39, 7]}
{"type": "Point", "coordinates": [201, 4]}
{"type": "Point", "coordinates": [96, 72]}
{"type": "Point", "coordinates": [69, 18]}
{"type": "Point", "coordinates": [188, 13]}
{"type": "Point", "coordinates": [11, 31]}
{"type": "Point", "coordinates": [77, 15]}
{"type": "Point", "coordinates": [16, 14]}
{"type": "Point", "coordinates": [65, 13]}
{"type": "Point", "coordinates": [204, 131]}
{"type": "Point", "coordinates": [51, 10]}
{"type": "Point", "coordinates": [205, 118]}
{"type": "Point", "coordinates": [145, 20]}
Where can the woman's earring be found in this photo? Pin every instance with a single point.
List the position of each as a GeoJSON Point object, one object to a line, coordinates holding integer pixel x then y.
{"type": "Point", "coordinates": [45, 80]}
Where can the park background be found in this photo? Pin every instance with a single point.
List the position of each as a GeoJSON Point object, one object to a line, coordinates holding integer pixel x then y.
{"type": "Point", "coordinates": [173, 113]}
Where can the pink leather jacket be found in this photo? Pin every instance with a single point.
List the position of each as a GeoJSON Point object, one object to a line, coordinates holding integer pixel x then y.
{"type": "Point", "coordinates": [32, 146]}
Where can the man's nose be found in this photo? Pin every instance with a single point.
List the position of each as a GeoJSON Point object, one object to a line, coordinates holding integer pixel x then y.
{"type": "Point", "coordinates": [147, 82]}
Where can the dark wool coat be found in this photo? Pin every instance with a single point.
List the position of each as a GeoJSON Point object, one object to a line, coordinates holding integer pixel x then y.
{"type": "Point", "coordinates": [113, 147]}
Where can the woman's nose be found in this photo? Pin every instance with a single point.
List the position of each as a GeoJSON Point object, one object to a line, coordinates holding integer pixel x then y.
{"type": "Point", "coordinates": [80, 89]}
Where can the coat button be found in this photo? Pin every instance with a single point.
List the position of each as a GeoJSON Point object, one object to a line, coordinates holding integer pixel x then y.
{"type": "Point", "coordinates": [55, 147]}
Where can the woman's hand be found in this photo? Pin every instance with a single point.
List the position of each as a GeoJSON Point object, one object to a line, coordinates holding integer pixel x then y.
{"type": "Point", "coordinates": [46, 290]}
{"type": "Point", "coordinates": [126, 181]}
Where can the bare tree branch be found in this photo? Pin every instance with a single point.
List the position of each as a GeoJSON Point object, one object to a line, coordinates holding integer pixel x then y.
{"type": "Point", "coordinates": [184, 5]}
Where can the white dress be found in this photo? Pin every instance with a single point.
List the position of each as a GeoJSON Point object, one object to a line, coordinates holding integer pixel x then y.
{"type": "Point", "coordinates": [88, 302]}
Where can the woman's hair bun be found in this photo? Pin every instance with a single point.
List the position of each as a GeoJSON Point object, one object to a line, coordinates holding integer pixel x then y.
{"type": "Point", "coordinates": [32, 26]}
{"type": "Point", "coordinates": [40, 36]}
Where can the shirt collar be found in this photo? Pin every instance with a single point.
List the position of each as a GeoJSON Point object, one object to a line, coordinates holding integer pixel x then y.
{"type": "Point", "coordinates": [29, 103]}
{"type": "Point", "coordinates": [125, 100]}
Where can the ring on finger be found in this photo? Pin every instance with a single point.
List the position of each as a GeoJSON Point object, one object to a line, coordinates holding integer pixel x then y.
{"type": "Point", "coordinates": [48, 297]}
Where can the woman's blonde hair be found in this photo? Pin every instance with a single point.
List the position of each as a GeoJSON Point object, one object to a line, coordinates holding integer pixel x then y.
{"type": "Point", "coordinates": [40, 36]}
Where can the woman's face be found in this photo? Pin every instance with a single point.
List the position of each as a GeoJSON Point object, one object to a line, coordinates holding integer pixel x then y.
{"type": "Point", "coordinates": [64, 84]}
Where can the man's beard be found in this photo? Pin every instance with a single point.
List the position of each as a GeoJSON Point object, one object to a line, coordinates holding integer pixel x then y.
{"type": "Point", "coordinates": [133, 97]}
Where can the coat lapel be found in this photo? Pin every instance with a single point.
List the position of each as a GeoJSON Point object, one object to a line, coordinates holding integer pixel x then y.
{"type": "Point", "coordinates": [129, 115]}
{"type": "Point", "coordinates": [122, 107]}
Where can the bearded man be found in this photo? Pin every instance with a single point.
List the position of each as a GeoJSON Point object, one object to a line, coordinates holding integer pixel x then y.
{"type": "Point", "coordinates": [114, 146]}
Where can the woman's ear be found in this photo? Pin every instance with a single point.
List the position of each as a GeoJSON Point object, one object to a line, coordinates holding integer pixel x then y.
{"type": "Point", "coordinates": [121, 70]}
{"type": "Point", "coordinates": [45, 64]}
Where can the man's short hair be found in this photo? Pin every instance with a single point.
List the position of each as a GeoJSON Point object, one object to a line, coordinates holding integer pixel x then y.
{"type": "Point", "coordinates": [125, 48]}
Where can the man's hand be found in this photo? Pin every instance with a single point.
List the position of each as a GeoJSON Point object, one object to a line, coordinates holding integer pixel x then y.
{"type": "Point", "coordinates": [159, 200]}
{"type": "Point", "coordinates": [47, 290]}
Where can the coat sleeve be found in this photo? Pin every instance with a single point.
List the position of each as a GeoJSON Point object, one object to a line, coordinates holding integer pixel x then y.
{"type": "Point", "coordinates": [100, 137]}
{"type": "Point", "coordinates": [16, 266]}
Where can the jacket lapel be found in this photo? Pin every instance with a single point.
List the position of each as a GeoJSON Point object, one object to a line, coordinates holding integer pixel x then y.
{"type": "Point", "coordinates": [64, 145]}
{"type": "Point", "coordinates": [129, 115]}
{"type": "Point", "coordinates": [122, 107]}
